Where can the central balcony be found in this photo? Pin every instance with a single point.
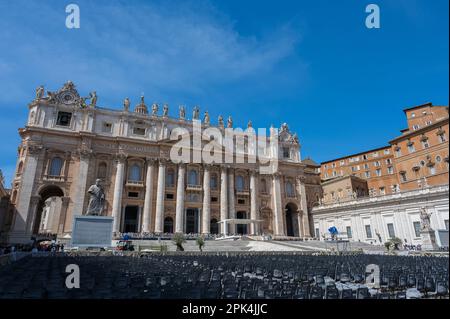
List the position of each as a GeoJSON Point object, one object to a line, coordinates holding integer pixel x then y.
{"type": "Point", "coordinates": [135, 183]}
{"type": "Point", "coordinates": [194, 187]}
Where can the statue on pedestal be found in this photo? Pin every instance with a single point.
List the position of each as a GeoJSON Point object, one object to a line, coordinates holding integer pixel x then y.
{"type": "Point", "coordinates": [206, 119]}
{"type": "Point", "coordinates": [196, 113]}
{"type": "Point", "coordinates": [93, 96]}
{"type": "Point", "coordinates": [425, 220]}
{"type": "Point", "coordinates": [126, 104]}
{"type": "Point", "coordinates": [165, 110]}
{"type": "Point", "coordinates": [220, 120]}
{"type": "Point", "coordinates": [182, 112]}
{"type": "Point", "coordinates": [39, 92]}
{"type": "Point", "coordinates": [230, 122]}
{"type": "Point", "coordinates": [96, 200]}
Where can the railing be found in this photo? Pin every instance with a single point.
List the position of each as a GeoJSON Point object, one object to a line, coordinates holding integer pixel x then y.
{"type": "Point", "coordinates": [367, 199]}
{"type": "Point", "coordinates": [243, 192]}
{"type": "Point", "coordinates": [193, 187]}
{"type": "Point", "coordinates": [55, 178]}
{"type": "Point", "coordinates": [135, 183]}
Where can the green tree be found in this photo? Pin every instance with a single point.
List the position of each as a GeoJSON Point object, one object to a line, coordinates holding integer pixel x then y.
{"type": "Point", "coordinates": [200, 242]}
{"type": "Point", "coordinates": [178, 239]}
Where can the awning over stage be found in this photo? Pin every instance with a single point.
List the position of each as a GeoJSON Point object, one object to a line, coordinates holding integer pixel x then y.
{"type": "Point", "coordinates": [237, 221]}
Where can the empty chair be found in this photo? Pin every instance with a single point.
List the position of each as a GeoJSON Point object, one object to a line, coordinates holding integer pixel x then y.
{"type": "Point", "coordinates": [347, 294]}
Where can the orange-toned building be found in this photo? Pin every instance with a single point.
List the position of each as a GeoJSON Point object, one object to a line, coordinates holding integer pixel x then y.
{"type": "Point", "coordinates": [417, 158]}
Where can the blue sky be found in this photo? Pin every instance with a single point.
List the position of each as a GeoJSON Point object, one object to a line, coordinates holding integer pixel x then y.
{"type": "Point", "coordinates": [313, 64]}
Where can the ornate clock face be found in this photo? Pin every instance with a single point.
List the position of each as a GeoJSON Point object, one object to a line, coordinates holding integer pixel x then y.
{"type": "Point", "coordinates": [68, 98]}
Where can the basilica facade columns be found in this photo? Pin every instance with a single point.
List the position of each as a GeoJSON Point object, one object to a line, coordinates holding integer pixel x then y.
{"type": "Point", "coordinates": [159, 217]}
{"type": "Point", "coordinates": [148, 201]}
{"type": "Point", "coordinates": [206, 211]}
{"type": "Point", "coordinates": [118, 189]}
{"type": "Point", "coordinates": [255, 227]}
{"type": "Point", "coordinates": [179, 210]}
{"type": "Point", "coordinates": [223, 197]}
{"type": "Point", "coordinates": [277, 205]}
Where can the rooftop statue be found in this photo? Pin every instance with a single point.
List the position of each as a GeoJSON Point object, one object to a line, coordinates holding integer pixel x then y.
{"type": "Point", "coordinates": [155, 107]}
{"type": "Point", "coordinates": [126, 104]}
{"type": "Point", "coordinates": [206, 119]}
{"type": "Point", "coordinates": [165, 110]}
{"type": "Point", "coordinates": [220, 120]}
{"type": "Point", "coordinates": [182, 112]}
{"type": "Point", "coordinates": [230, 122]}
{"type": "Point", "coordinates": [93, 96]}
{"type": "Point", "coordinates": [196, 113]}
{"type": "Point", "coordinates": [39, 92]}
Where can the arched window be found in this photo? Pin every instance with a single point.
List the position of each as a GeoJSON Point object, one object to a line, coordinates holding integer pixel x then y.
{"type": "Point", "coordinates": [290, 189]}
{"type": "Point", "coordinates": [135, 173]}
{"type": "Point", "coordinates": [170, 178]}
{"type": "Point", "coordinates": [213, 182]}
{"type": "Point", "coordinates": [263, 186]}
{"type": "Point", "coordinates": [240, 183]}
{"type": "Point", "coordinates": [168, 225]}
{"type": "Point", "coordinates": [56, 166]}
{"type": "Point", "coordinates": [101, 171]}
{"type": "Point", "coordinates": [214, 226]}
{"type": "Point", "coordinates": [192, 178]}
{"type": "Point", "coordinates": [20, 168]}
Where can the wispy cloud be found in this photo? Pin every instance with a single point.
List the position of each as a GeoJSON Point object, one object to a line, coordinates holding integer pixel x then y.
{"type": "Point", "coordinates": [121, 47]}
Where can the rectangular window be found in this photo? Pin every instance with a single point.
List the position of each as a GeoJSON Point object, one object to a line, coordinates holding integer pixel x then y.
{"type": "Point", "coordinates": [416, 229]}
{"type": "Point", "coordinates": [376, 164]}
{"type": "Point", "coordinates": [333, 165]}
{"type": "Point", "coordinates": [366, 166]}
{"type": "Point", "coordinates": [387, 151]}
{"type": "Point", "coordinates": [390, 170]}
{"type": "Point", "coordinates": [317, 233]}
{"type": "Point", "coordinates": [411, 148]}
{"type": "Point", "coordinates": [214, 199]}
{"type": "Point", "coordinates": [382, 191]}
{"type": "Point", "coordinates": [391, 231]}
{"type": "Point", "coordinates": [107, 127]}
{"type": "Point", "coordinates": [139, 131]}
{"type": "Point", "coordinates": [375, 154]}
{"type": "Point", "coordinates": [349, 231]}
{"type": "Point", "coordinates": [342, 163]}
{"type": "Point", "coordinates": [378, 172]}
{"type": "Point", "coordinates": [368, 231]}
{"type": "Point", "coordinates": [241, 201]}
{"type": "Point", "coordinates": [403, 177]}
{"type": "Point", "coordinates": [388, 161]}
{"type": "Point", "coordinates": [286, 153]}
{"type": "Point", "coordinates": [367, 174]}
{"type": "Point", "coordinates": [398, 152]}
{"type": "Point", "coordinates": [425, 144]}
{"type": "Point", "coordinates": [432, 170]}
{"type": "Point", "coordinates": [169, 196]}
{"type": "Point", "coordinates": [416, 127]}
{"type": "Point", "coordinates": [133, 194]}
{"type": "Point", "coordinates": [364, 157]}
{"type": "Point", "coordinates": [442, 138]}
{"type": "Point", "coordinates": [63, 119]}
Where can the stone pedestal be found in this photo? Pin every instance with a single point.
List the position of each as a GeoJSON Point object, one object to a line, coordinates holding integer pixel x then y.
{"type": "Point", "coordinates": [92, 231]}
{"type": "Point", "coordinates": [429, 240]}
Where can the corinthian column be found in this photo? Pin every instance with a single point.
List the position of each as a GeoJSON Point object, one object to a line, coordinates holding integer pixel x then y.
{"type": "Point", "coordinates": [231, 200]}
{"type": "Point", "coordinates": [223, 198]}
{"type": "Point", "coordinates": [254, 228]}
{"type": "Point", "coordinates": [278, 208]}
{"type": "Point", "coordinates": [160, 197]}
{"type": "Point", "coordinates": [148, 202]}
{"type": "Point", "coordinates": [304, 206]}
{"type": "Point", "coordinates": [78, 202]}
{"type": "Point", "coordinates": [179, 210]}
{"type": "Point", "coordinates": [118, 189]}
{"type": "Point", "coordinates": [206, 200]}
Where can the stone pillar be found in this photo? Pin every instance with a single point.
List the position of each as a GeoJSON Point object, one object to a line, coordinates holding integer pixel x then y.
{"type": "Point", "coordinates": [160, 197]}
{"type": "Point", "coordinates": [206, 200]}
{"type": "Point", "coordinates": [231, 198]}
{"type": "Point", "coordinates": [21, 216]}
{"type": "Point", "coordinates": [148, 201]}
{"type": "Point", "coordinates": [80, 194]}
{"type": "Point", "coordinates": [34, 206]}
{"type": "Point", "coordinates": [277, 205]}
{"type": "Point", "coordinates": [223, 197]}
{"type": "Point", "coordinates": [254, 228]}
{"type": "Point", "coordinates": [62, 216]}
{"type": "Point", "coordinates": [118, 189]}
{"type": "Point", "coordinates": [304, 207]}
{"type": "Point", "coordinates": [179, 210]}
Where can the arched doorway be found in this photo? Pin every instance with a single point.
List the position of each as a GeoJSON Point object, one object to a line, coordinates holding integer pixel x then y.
{"type": "Point", "coordinates": [292, 220]}
{"type": "Point", "coordinates": [192, 222]}
{"type": "Point", "coordinates": [168, 225]}
{"type": "Point", "coordinates": [267, 218]}
{"type": "Point", "coordinates": [214, 226]}
{"type": "Point", "coordinates": [130, 222]}
{"type": "Point", "coordinates": [50, 200]}
{"type": "Point", "coordinates": [241, 229]}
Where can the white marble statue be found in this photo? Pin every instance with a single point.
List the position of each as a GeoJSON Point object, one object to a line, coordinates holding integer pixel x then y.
{"type": "Point", "coordinates": [96, 200]}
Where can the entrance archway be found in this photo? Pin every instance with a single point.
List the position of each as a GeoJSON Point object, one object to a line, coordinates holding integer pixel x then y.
{"type": "Point", "coordinates": [214, 226]}
{"type": "Point", "coordinates": [191, 224]}
{"type": "Point", "coordinates": [130, 222]}
{"type": "Point", "coordinates": [52, 207]}
{"type": "Point", "coordinates": [168, 225]}
{"type": "Point", "coordinates": [241, 229]}
{"type": "Point", "coordinates": [292, 220]}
